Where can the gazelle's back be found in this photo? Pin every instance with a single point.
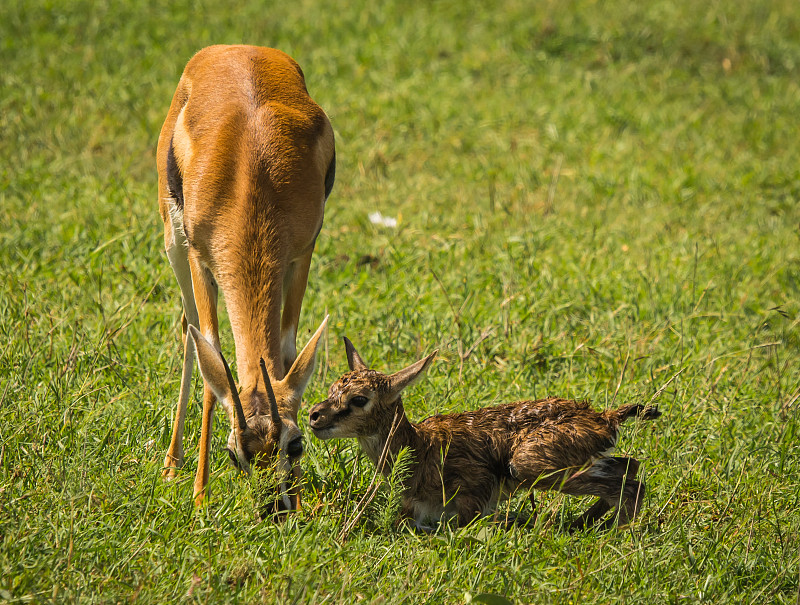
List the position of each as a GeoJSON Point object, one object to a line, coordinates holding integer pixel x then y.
{"type": "Point", "coordinates": [270, 139]}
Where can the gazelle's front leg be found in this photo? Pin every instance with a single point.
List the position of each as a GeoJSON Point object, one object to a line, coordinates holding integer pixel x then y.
{"type": "Point", "coordinates": [175, 243]}
{"type": "Point", "coordinates": [294, 287]}
{"type": "Point", "coordinates": [205, 295]}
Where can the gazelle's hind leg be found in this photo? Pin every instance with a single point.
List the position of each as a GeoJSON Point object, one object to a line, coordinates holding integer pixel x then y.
{"type": "Point", "coordinates": [206, 295]}
{"type": "Point", "coordinates": [177, 253]}
{"type": "Point", "coordinates": [613, 480]}
{"type": "Point", "coordinates": [590, 518]}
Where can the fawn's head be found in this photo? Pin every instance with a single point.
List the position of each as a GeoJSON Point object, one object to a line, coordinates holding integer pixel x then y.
{"type": "Point", "coordinates": [363, 402]}
{"type": "Point", "coordinates": [267, 436]}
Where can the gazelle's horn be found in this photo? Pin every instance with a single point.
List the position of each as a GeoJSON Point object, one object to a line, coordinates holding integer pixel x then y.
{"type": "Point", "coordinates": [237, 403]}
{"type": "Point", "coordinates": [273, 403]}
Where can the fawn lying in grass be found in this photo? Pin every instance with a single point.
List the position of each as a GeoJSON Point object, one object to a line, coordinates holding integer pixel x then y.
{"type": "Point", "coordinates": [464, 463]}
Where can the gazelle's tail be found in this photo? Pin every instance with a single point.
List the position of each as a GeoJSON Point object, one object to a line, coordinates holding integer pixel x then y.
{"type": "Point", "coordinates": [622, 413]}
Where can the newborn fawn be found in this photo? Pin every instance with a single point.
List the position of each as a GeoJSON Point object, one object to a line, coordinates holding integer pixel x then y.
{"type": "Point", "coordinates": [463, 463]}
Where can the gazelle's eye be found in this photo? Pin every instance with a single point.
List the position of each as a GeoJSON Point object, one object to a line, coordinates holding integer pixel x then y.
{"type": "Point", "coordinates": [295, 448]}
{"type": "Point", "coordinates": [359, 401]}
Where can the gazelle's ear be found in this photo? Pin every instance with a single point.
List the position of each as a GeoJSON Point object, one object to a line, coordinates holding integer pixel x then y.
{"type": "Point", "coordinates": [409, 375]}
{"type": "Point", "coordinates": [217, 375]}
{"type": "Point", "coordinates": [303, 367]}
{"type": "Point", "coordinates": [211, 366]}
{"type": "Point", "coordinates": [353, 358]}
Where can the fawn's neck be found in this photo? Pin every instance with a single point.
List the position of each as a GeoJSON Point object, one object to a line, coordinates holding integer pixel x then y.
{"type": "Point", "coordinates": [391, 438]}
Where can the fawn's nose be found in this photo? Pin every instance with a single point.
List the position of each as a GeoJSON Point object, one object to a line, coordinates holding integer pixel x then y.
{"type": "Point", "coordinates": [316, 415]}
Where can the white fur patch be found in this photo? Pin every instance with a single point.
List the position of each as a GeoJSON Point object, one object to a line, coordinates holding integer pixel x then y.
{"type": "Point", "coordinates": [289, 345]}
{"type": "Point", "coordinates": [178, 257]}
{"type": "Point", "coordinates": [373, 446]}
{"type": "Point", "coordinates": [427, 516]}
{"type": "Point", "coordinates": [607, 452]}
{"type": "Point", "coordinates": [285, 496]}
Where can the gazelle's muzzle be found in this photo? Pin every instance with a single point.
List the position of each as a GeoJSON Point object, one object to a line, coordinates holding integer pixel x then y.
{"type": "Point", "coordinates": [285, 498]}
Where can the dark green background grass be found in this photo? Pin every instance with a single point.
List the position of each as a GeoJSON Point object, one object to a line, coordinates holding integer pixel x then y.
{"type": "Point", "coordinates": [592, 197]}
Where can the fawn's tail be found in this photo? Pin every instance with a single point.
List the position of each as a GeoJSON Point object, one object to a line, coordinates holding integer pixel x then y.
{"type": "Point", "coordinates": [624, 412]}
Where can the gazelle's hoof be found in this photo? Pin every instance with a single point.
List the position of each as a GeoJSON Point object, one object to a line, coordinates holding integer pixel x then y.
{"type": "Point", "coordinates": [171, 466]}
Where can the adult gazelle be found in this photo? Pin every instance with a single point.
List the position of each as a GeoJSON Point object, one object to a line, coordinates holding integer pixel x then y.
{"type": "Point", "coordinates": [245, 163]}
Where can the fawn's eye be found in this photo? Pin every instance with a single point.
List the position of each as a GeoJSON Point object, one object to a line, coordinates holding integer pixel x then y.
{"type": "Point", "coordinates": [359, 401]}
{"type": "Point", "coordinates": [295, 448]}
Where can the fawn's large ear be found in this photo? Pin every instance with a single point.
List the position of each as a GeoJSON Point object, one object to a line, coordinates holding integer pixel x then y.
{"type": "Point", "coordinates": [353, 358]}
{"type": "Point", "coordinates": [303, 367]}
{"type": "Point", "coordinates": [409, 375]}
{"type": "Point", "coordinates": [217, 375]}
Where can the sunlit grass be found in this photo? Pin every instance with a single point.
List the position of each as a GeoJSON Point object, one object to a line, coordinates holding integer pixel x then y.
{"type": "Point", "coordinates": [592, 200]}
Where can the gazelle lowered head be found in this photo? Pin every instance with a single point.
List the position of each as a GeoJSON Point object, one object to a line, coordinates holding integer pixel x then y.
{"type": "Point", "coordinates": [264, 431]}
{"type": "Point", "coordinates": [245, 164]}
{"type": "Point", "coordinates": [463, 463]}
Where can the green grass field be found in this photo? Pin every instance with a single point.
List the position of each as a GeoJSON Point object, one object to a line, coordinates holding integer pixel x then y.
{"type": "Point", "coordinates": [593, 198]}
